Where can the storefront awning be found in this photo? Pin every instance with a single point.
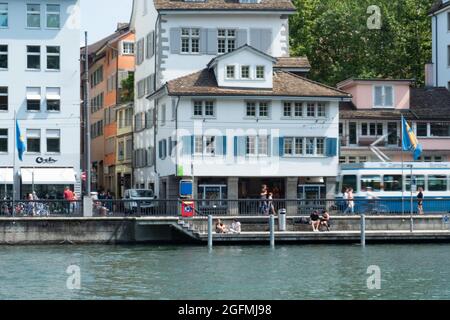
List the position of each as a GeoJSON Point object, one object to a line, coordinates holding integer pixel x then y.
{"type": "Point", "coordinates": [48, 176]}
{"type": "Point", "coordinates": [6, 176]}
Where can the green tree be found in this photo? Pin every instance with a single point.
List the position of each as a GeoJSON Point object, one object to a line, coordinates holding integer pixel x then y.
{"type": "Point", "coordinates": [127, 92]}
{"type": "Point", "coordinates": [335, 37]}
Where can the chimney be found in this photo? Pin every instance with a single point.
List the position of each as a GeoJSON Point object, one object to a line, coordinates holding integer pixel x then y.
{"type": "Point", "coordinates": [429, 76]}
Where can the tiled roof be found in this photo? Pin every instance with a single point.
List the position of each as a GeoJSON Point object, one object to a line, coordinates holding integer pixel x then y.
{"type": "Point", "coordinates": [93, 48]}
{"type": "Point", "coordinates": [438, 5]}
{"type": "Point", "coordinates": [264, 5]}
{"type": "Point", "coordinates": [425, 104]}
{"type": "Point", "coordinates": [293, 62]}
{"type": "Point", "coordinates": [284, 84]}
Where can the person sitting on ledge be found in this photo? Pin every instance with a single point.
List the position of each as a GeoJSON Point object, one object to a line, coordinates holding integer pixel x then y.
{"type": "Point", "coordinates": [220, 227]}
{"type": "Point", "coordinates": [315, 221]}
{"type": "Point", "coordinates": [325, 220]}
{"type": "Point", "coordinates": [235, 227]}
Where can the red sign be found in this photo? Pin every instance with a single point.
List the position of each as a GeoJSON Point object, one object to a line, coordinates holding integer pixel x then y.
{"type": "Point", "coordinates": [187, 209]}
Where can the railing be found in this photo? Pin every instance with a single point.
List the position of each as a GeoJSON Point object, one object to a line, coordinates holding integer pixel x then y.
{"type": "Point", "coordinates": [173, 208]}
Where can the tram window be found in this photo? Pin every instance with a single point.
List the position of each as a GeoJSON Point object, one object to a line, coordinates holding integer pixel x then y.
{"type": "Point", "coordinates": [437, 183]}
{"type": "Point", "coordinates": [349, 182]}
{"type": "Point", "coordinates": [420, 182]}
{"type": "Point", "coordinates": [373, 182]}
{"type": "Point", "coordinates": [392, 183]}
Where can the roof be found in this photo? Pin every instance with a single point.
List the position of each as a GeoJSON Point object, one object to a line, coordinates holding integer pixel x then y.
{"type": "Point", "coordinates": [284, 84]}
{"type": "Point", "coordinates": [242, 48]}
{"type": "Point", "coordinates": [425, 104]}
{"type": "Point", "coordinates": [264, 5]}
{"type": "Point", "coordinates": [293, 62]}
{"type": "Point", "coordinates": [438, 6]}
{"type": "Point", "coordinates": [354, 80]}
{"type": "Point", "coordinates": [122, 29]}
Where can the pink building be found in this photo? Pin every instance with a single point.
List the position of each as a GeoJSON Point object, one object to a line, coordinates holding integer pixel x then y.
{"type": "Point", "coordinates": [375, 113]}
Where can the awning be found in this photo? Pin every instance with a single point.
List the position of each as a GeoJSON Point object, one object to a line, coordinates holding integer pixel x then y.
{"type": "Point", "coordinates": [48, 176]}
{"type": "Point", "coordinates": [53, 94]}
{"type": "Point", "coordinates": [6, 176]}
{"type": "Point", "coordinates": [33, 93]}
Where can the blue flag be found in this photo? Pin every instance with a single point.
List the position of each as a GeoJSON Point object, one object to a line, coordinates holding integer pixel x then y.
{"type": "Point", "coordinates": [20, 142]}
{"type": "Point", "coordinates": [410, 141]}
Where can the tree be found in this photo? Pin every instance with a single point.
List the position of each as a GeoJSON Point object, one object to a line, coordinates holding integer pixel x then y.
{"type": "Point", "coordinates": [335, 36]}
{"type": "Point", "coordinates": [127, 92]}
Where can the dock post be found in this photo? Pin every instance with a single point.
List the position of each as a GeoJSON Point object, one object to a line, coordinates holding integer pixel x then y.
{"type": "Point", "coordinates": [210, 231]}
{"type": "Point", "coordinates": [272, 230]}
{"type": "Point", "coordinates": [363, 229]}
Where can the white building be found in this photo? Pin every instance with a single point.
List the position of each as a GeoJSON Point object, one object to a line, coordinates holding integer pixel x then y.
{"type": "Point", "coordinates": [440, 15]}
{"type": "Point", "coordinates": [40, 87]}
{"type": "Point", "coordinates": [224, 105]}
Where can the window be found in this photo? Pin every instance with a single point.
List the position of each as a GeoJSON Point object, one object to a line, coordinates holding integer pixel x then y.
{"type": "Point", "coordinates": [422, 129]}
{"type": "Point", "coordinates": [34, 57]}
{"type": "Point", "coordinates": [97, 77]}
{"type": "Point", "coordinates": [418, 181]}
{"type": "Point", "coordinates": [53, 141]}
{"type": "Point", "coordinates": [349, 181]}
{"type": "Point", "coordinates": [298, 146]}
{"type": "Point", "coordinates": [53, 58]}
{"type": "Point", "coordinates": [298, 109]}
{"type": "Point", "coordinates": [226, 40]}
{"type": "Point", "coordinates": [33, 99]}
{"type": "Point", "coordinates": [198, 145]}
{"type": "Point", "coordinates": [321, 111]}
{"type": "Point", "coordinates": [3, 140]}
{"type": "Point", "coordinates": [440, 129]}
{"type": "Point", "coordinates": [263, 145]}
{"type": "Point", "coordinates": [3, 15]}
{"type": "Point", "coordinates": [210, 145]}
{"type": "Point", "coordinates": [287, 109]}
{"type": "Point", "coordinates": [245, 72]}
{"type": "Point", "coordinates": [53, 16]}
{"type": "Point", "coordinates": [383, 96]}
{"type": "Point", "coordinates": [53, 99]}
{"type": "Point", "coordinates": [3, 98]}
{"type": "Point", "coordinates": [3, 56]}
{"type": "Point", "coordinates": [373, 182]}
{"type": "Point", "coordinates": [393, 134]}
{"type": "Point", "coordinates": [292, 109]}
{"type": "Point", "coordinates": [163, 114]}
{"type": "Point", "coordinates": [371, 129]}
{"type": "Point", "coordinates": [309, 146]}
{"type": "Point", "coordinates": [320, 146]}
{"type": "Point", "coordinates": [190, 40]}
{"type": "Point", "coordinates": [127, 48]}
{"type": "Point", "coordinates": [260, 72]}
{"type": "Point", "coordinates": [33, 15]}
{"type": "Point", "coordinates": [392, 183]}
{"type": "Point", "coordinates": [261, 109]}
{"type": "Point", "coordinates": [231, 73]}
{"type": "Point", "coordinates": [437, 183]}
{"type": "Point", "coordinates": [204, 108]}
{"type": "Point", "coordinates": [121, 150]}
{"type": "Point", "coordinates": [251, 146]}
{"type": "Point", "coordinates": [311, 110]}
{"type": "Point", "coordinates": [34, 140]}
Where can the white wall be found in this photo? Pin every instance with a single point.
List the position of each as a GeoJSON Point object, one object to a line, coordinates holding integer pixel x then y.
{"type": "Point", "coordinates": [17, 37]}
{"type": "Point", "coordinates": [441, 68]}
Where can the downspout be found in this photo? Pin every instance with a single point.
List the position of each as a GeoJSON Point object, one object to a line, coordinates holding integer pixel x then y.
{"type": "Point", "coordinates": [437, 50]}
{"type": "Point", "coordinates": [155, 113]}
{"type": "Point", "coordinates": [176, 135]}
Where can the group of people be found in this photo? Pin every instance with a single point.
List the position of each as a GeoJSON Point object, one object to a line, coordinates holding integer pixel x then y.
{"type": "Point", "coordinates": [320, 220]}
{"type": "Point", "coordinates": [222, 228]}
{"type": "Point", "coordinates": [266, 206]}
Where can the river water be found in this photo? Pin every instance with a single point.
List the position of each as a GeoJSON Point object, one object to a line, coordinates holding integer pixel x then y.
{"type": "Point", "coordinates": [239, 272]}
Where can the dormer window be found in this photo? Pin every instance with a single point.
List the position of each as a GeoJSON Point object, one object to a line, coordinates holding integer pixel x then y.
{"type": "Point", "coordinates": [245, 72]}
{"type": "Point", "coordinates": [383, 97]}
{"type": "Point", "coordinates": [231, 72]}
{"type": "Point", "coordinates": [260, 72]}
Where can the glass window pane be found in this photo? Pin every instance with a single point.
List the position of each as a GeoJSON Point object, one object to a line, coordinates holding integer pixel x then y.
{"type": "Point", "coordinates": [437, 183]}
{"type": "Point", "coordinates": [392, 183]}
{"type": "Point", "coordinates": [422, 129]}
{"type": "Point", "coordinates": [371, 181]}
{"type": "Point", "coordinates": [349, 181]}
{"type": "Point", "coordinates": [419, 181]}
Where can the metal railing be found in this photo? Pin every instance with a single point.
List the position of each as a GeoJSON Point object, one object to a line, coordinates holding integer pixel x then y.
{"type": "Point", "coordinates": [247, 207]}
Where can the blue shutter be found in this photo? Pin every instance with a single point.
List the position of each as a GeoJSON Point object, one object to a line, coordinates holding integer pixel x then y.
{"type": "Point", "coordinates": [224, 145]}
{"type": "Point", "coordinates": [187, 149]}
{"type": "Point", "coordinates": [242, 146]}
{"type": "Point", "coordinates": [235, 145]}
{"type": "Point", "coordinates": [169, 143]}
{"type": "Point", "coordinates": [175, 40]}
{"type": "Point", "coordinates": [211, 41]}
{"type": "Point", "coordinates": [281, 146]}
{"type": "Point", "coordinates": [160, 149]}
{"type": "Point", "coordinates": [331, 145]}
{"type": "Point", "coordinates": [219, 146]}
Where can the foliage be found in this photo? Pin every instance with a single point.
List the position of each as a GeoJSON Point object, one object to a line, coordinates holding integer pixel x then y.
{"type": "Point", "coordinates": [127, 92]}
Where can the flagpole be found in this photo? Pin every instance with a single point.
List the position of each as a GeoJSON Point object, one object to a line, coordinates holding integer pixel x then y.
{"type": "Point", "coordinates": [403, 196]}
{"type": "Point", "coordinates": [14, 166]}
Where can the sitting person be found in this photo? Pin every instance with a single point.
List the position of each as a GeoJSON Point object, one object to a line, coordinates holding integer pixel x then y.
{"type": "Point", "coordinates": [220, 227]}
{"type": "Point", "coordinates": [325, 220]}
{"type": "Point", "coordinates": [315, 221]}
{"type": "Point", "coordinates": [235, 227]}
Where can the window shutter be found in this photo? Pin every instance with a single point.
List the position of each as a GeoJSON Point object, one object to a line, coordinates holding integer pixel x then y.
{"type": "Point", "coordinates": [255, 38]}
{"type": "Point", "coordinates": [160, 154]}
{"type": "Point", "coordinates": [169, 143]}
{"type": "Point", "coordinates": [211, 41]}
{"type": "Point", "coordinates": [175, 40]}
{"type": "Point", "coordinates": [378, 96]}
{"type": "Point", "coordinates": [224, 145]}
{"type": "Point", "coordinates": [242, 37]}
{"type": "Point", "coordinates": [203, 41]}
{"type": "Point", "coordinates": [164, 145]}
{"type": "Point", "coordinates": [221, 146]}
{"type": "Point", "coordinates": [266, 40]}
{"type": "Point", "coordinates": [187, 147]}
{"type": "Point", "coordinates": [242, 146]}
{"type": "Point", "coordinates": [235, 146]}
{"type": "Point", "coordinates": [280, 146]}
{"type": "Point", "coordinates": [331, 145]}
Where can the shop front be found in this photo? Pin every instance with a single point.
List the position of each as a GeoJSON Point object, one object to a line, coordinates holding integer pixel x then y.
{"type": "Point", "coordinates": [48, 183]}
{"type": "Point", "coordinates": [6, 183]}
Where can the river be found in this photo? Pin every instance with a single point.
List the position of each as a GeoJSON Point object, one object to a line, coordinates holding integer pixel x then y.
{"type": "Point", "coordinates": [241, 272]}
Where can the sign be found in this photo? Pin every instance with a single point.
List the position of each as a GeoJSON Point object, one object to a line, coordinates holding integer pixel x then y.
{"type": "Point", "coordinates": [186, 188]}
{"type": "Point", "coordinates": [41, 160]}
{"type": "Point", "coordinates": [187, 209]}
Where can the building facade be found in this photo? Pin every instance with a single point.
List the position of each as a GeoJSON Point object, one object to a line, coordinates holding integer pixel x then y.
{"type": "Point", "coordinates": [440, 21]}
{"type": "Point", "coordinates": [111, 60]}
{"type": "Point", "coordinates": [219, 100]}
{"type": "Point", "coordinates": [40, 88]}
{"type": "Point", "coordinates": [373, 119]}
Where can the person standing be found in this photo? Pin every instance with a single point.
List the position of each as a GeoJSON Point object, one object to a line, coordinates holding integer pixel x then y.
{"type": "Point", "coordinates": [264, 207]}
{"type": "Point", "coordinates": [420, 201]}
{"type": "Point", "coordinates": [350, 202]}
{"type": "Point", "coordinates": [69, 197]}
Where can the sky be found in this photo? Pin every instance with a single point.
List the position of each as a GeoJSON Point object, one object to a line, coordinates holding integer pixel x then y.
{"type": "Point", "coordinates": [100, 17]}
